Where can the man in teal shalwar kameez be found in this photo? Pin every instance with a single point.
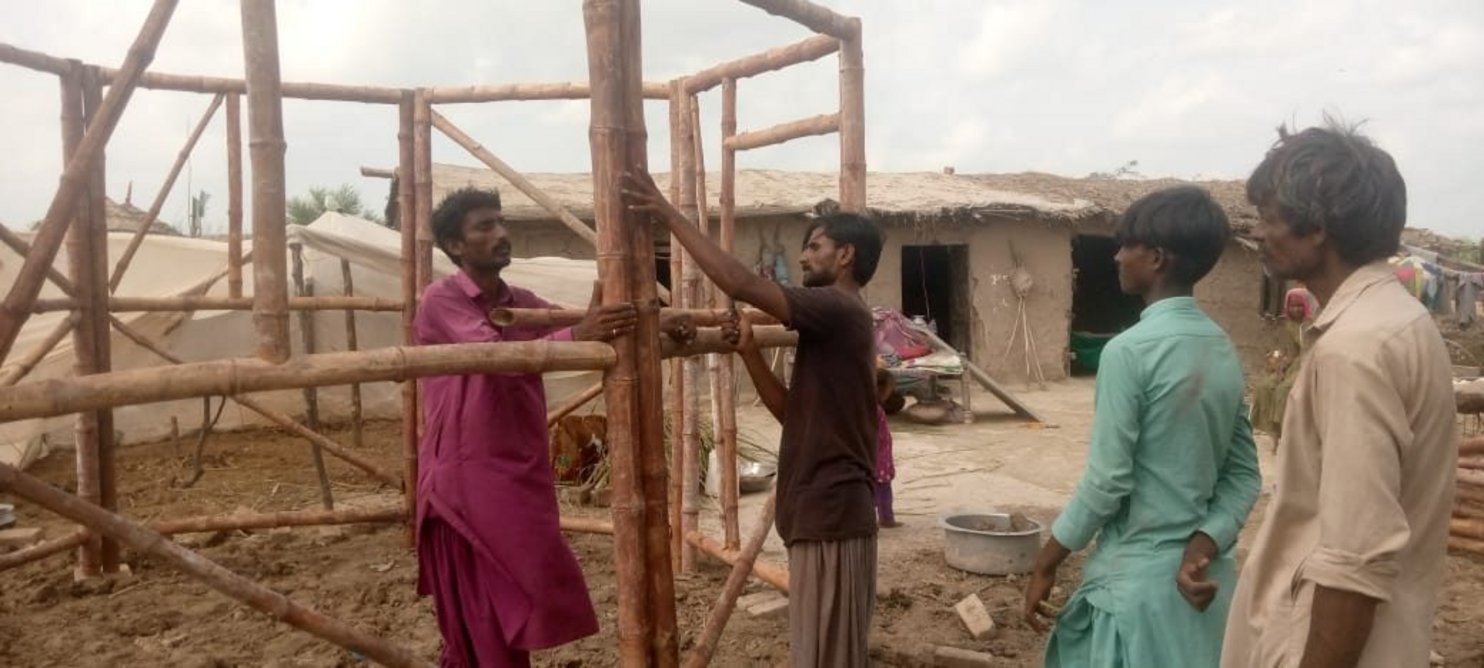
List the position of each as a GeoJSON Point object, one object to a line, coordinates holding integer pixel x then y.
{"type": "Point", "coordinates": [1171, 471]}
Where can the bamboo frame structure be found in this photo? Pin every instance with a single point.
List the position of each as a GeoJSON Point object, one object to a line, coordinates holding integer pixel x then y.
{"type": "Point", "coordinates": [234, 195]}
{"type": "Point", "coordinates": [178, 303]}
{"type": "Point", "coordinates": [556, 317]}
{"type": "Point", "coordinates": [164, 193]}
{"type": "Point", "coordinates": [48, 238]}
{"type": "Point", "coordinates": [778, 134]}
{"type": "Point", "coordinates": [515, 178]}
{"type": "Point", "coordinates": [266, 148]}
{"type": "Point", "coordinates": [645, 534]}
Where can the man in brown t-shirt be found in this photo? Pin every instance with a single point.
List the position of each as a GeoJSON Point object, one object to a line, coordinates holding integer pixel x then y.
{"type": "Point", "coordinates": [827, 457]}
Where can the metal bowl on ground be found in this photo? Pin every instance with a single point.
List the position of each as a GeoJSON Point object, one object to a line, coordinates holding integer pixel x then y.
{"type": "Point", "coordinates": [755, 476]}
{"type": "Point", "coordinates": [991, 543]}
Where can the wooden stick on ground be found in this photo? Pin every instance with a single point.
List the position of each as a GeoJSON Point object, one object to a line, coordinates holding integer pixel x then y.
{"type": "Point", "coordinates": [736, 579]}
{"type": "Point", "coordinates": [48, 239]}
{"type": "Point", "coordinates": [159, 203]}
{"type": "Point", "coordinates": [145, 541]}
{"type": "Point", "coordinates": [311, 394]}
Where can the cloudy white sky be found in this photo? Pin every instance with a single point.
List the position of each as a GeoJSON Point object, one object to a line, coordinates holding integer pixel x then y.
{"type": "Point", "coordinates": [1188, 89]}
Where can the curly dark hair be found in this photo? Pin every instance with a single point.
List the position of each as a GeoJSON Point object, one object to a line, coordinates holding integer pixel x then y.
{"type": "Point", "coordinates": [448, 218]}
{"type": "Point", "coordinates": [1332, 178]}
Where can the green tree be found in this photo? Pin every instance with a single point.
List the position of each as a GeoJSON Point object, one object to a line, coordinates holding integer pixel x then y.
{"type": "Point", "coordinates": [344, 199]}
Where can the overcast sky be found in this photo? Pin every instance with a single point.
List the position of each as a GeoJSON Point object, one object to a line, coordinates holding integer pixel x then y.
{"type": "Point", "coordinates": [1188, 89]}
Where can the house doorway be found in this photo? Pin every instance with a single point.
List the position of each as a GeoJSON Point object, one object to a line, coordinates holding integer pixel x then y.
{"type": "Point", "coordinates": [1099, 308]}
{"type": "Point", "coordinates": [935, 285]}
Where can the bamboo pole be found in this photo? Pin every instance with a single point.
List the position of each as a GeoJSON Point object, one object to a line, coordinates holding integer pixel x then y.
{"type": "Point", "coordinates": [84, 340]}
{"type": "Point", "coordinates": [1466, 528]}
{"type": "Point", "coordinates": [34, 60]}
{"type": "Point", "coordinates": [603, 23]}
{"type": "Point", "coordinates": [43, 549]}
{"type": "Point", "coordinates": [175, 303]}
{"type": "Point", "coordinates": [515, 178]}
{"type": "Point", "coordinates": [234, 195]}
{"type": "Point", "coordinates": [727, 404]}
{"type": "Point", "coordinates": [48, 239]}
{"type": "Point", "coordinates": [814, 17]}
{"type": "Point", "coordinates": [311, 394]}
{"type": "Point", "coordinates": [13, 373]}
{"type": "Point", "coordinates": [422, 147]}
{"type": "Point", "coordinates": [778, 134]}
{"type": "Point", "coordinates": [813, 48]}
{"type": "Point", "coordinates": [852, 120]}
{"type": "Point", "coordinates": [676, 400]}
{"type": "Point", "coordinates": [378, 173]}
{"type": "Point", "coordinates": [406, 219]}
{"type": "Point", "coordinates": [1470, 545]}
{"type": "Point", "coordinates": [164, 193]}
{"type": "Point", "coordinates": [664, 639]}
{"type": "Point", "coordinates": [269, 200]}
{"type": "Point", "coordinates": [577, 401]}
{"type": "Point", "coordinates": [774, 575]}
{"type": "Point", "coordinates": [717, 622]}
{"type": "Point", "coordinates": [357, 438]}
{"type": "Point", "coordinates": [145, 541]}
{"type": "Point", "coordinates": [59, 396]}
{"type": "Point", "coordinates": [709, 340]}
{"type": "Point", "coordinates": [689, 298]}
{"type": "Point", "coordinates": [554, 317]}
{"type": "Point", "coordinates": [585, 525]}
{"type": "Point", "coordinates": [568, 90]}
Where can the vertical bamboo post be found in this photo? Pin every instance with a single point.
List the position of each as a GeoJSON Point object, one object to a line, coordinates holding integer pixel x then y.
{"type": "Point", "coordinates": [311, 394]}
{"type": "Point", "coordinates": [95, 313]}
{"type": "Point", "coordinates": [269, 200]}
{"type": "Point", "coordinates": [852, 122]}
{"type": "Point", "coordinates": [85, 431]}
{"type": "Point", "coordinates": [607, 135]}
{"type": "Point", "coordinates": [422, 147]}
{"type": "Point", "coordinates": [234, 195]}
{"type": "Point", "coordinates": [16, 306]}
{"type": "Point", "coordinates": [406, 218]}
{"type": "Point", "coordinates": [676, 408]}
{"type": "Point", "coordinates": [727, 375]}
{"type": "Point", "coordinates": [710, 297]}
{"type": "Point", "coordinates": [356, 436]}
{"type": "Point", "coordinates": [664, 641]}
{"type": "Point", "coordinates": [689, 293]}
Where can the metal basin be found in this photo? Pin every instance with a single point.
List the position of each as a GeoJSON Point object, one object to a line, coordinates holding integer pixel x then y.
{"type": "Point", "coordinates": [755, 476]}
{"type": "Point", "coordinates": [991, 543]}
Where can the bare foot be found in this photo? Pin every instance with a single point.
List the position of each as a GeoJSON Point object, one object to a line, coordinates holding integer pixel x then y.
{"type": "Point", "coordinates": [890, 525]}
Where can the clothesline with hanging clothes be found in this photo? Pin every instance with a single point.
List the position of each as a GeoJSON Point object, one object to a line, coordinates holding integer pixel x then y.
{"type": "Point", "coordinates": [1429, 281]}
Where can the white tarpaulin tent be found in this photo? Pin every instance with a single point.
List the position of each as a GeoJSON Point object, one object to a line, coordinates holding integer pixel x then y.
{"type": "Point", "coordinates": [166, 266]}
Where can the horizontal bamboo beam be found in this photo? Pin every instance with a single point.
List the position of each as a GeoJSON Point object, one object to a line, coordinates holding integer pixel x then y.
{"type": "Point", "coordinates": [34, 60]}
{"type": "Point", "coordinates": [207, 303]}
{"type": "Point", "coordinates": [59, 396]}
{"type": "Point", "coordinates": [806, 127]}
{"type": "Point", "coordinates": [813, 48]}
{"type": "Point", "coordinates": [814, 17]}
{"type": "Point", "coordinates": [776, 576]}
{"type": "Point", "coordinates": [144, 541]}
{"type": "Point", "coordinates": [709, 340]}
{"type": "Point", "coordinates": [378, 172]}
{"type": "Point", "coordinates": [541, 317]}
{"type": "Point", "coordinates": [515, 178]}
{"type": "Point", "coordinates": [575, 90]}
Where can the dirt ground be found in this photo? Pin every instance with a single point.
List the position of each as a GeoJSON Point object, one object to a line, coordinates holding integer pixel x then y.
{"type": "Point", "coordinates": [366, 576]}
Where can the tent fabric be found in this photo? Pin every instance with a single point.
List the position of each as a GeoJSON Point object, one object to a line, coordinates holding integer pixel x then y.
{"type": "Point", "coordinates": [166, 266]}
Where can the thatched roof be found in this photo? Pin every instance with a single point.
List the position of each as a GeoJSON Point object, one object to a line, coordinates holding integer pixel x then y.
{"type": "Point", "coordinates": [914, 195]}
{"type": "Point", "coordinates": [126, 218]}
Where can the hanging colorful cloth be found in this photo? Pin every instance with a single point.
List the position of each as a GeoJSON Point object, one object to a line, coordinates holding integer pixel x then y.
{"type": "Point", "coordinates": [1413, 276]}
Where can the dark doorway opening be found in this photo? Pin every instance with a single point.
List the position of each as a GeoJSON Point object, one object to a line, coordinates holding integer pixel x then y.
{"type": "Point", "coordinates": [1099, 308]}
{"type": "Point", "coordinates": [935, 285]}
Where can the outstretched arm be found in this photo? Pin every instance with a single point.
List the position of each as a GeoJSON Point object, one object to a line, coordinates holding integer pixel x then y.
{"type": "Point", "coordinates": [734, 278]}
{"type": "Point", "coordinates": [770, 390]}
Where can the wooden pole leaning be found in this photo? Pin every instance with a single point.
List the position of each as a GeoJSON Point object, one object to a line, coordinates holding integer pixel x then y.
{"type": "Point", "coordinates": [407, 219]}
{"type": "Point", "coordinates": [664, 634]}
{"type": "Point", "coordinates": [145, 541]}
{"type": "Point", "coordinates": [577, 401]}
{"type": "Point", "coordinates": [266, 146]}
{"type": "Point", "coordinates": [48, 239]}
{"type": "Point", "coordinates": [12, 373]}
{"type": "Point", "coordinates": [164, 193]}
{"type": "Point", "coordinates": [736, 579]}
{"type": "Point", "coordinates": [234, 195]}
{"type": "Point", "coordinates": [357, 437]}
{"type": "Point", "coordinates": [515, 178]}
{"type": "Point", "coordinates": [727, 406]}
{"type": "Point", "coordinates": [311, 394]}
{"type": "Point", "coordinates": [607, 134]}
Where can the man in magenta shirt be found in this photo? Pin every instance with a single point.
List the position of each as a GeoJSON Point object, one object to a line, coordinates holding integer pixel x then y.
{"type": "Point", "coordinates": [490, 550]}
